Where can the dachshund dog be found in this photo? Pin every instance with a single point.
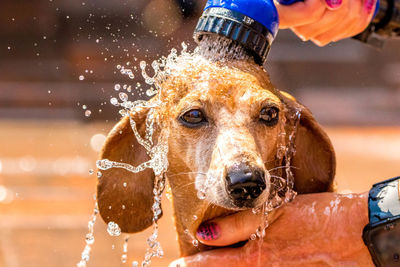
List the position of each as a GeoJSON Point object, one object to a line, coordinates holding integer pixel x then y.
{"type": "Point", "coordinates": [224, 123]}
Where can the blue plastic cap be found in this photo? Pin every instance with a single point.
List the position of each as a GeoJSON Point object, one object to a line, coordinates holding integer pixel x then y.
{"type": "Point", "coordinates": [262, 11]}
{"type": "Point", "coordinates": [288, 2]}
{"type": "Point", "coordinates": [376, 9]}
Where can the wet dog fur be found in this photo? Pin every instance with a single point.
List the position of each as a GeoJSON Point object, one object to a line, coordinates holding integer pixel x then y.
{"type": "Point", "coordinates": [230, 96]}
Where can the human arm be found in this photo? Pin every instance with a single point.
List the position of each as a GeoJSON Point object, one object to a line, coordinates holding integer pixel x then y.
{"type": "Point", "coordinates": [331, 20]}
{"type": "Point", "coordinates": [323, 228]}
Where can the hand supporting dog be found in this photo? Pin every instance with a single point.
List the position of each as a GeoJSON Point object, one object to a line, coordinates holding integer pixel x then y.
{"type": "Point", "coordinates": [315, 229]}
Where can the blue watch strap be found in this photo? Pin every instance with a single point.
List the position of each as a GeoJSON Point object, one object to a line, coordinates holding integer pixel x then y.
{"type": "Point", "coordinates": [384, 201]}
{"type": "Point", "coordinates": [382, 234]}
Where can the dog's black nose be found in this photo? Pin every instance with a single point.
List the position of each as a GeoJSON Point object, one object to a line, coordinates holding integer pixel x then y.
{"type": "Point", "coordinates": [245, 184]}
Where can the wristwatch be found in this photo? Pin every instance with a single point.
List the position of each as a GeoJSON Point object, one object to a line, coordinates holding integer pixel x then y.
{"type": "Point", "coordinates": [382, 234]}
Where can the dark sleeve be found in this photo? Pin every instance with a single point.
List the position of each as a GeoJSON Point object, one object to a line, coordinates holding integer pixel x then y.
{"type": "Point", "coordinates": [385, 25]}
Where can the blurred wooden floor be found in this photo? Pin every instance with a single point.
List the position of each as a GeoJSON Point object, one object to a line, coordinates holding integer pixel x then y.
{"type": "Point", "coordinates": [46, 192]}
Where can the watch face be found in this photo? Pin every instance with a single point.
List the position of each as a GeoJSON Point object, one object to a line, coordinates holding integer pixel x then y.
{"type": "Point", "coordinates": [386, 243]}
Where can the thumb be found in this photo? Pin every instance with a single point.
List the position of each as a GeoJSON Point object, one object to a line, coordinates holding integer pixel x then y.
{"type": "Point", "coordinates": [231, 229]}
{"type": "Point", "coordinates": [211, 258]}
{"type": "Point", "coordinates": [178, 263]}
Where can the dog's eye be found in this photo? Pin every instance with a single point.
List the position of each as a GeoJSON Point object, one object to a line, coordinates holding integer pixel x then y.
{"type": "Point", "coordinates": [193, 118]}
{"type": "Point", "coordinates": [269, 116]}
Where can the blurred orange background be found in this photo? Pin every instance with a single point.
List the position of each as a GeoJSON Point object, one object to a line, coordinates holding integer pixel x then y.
{"type": "Point", "coordinates": [58, 56]}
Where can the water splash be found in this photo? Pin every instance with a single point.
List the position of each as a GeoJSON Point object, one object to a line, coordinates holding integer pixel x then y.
{"type": "Point", "coordinates": [124, 256]}
{"type": "Point", "coordinates": [157, 150]}
{"type": "Point", "coordinates": [283, 187]}
{"type": "Point", "coordinates": [218, 48]}
{"type": "Point", "coordinates": [113, 229]}
{"type": "Point", "coordinates": [85, 256]}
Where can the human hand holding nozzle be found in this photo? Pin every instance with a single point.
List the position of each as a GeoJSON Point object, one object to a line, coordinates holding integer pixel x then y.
{"type": "Point", "coordinates": [325, 21]}
{"type": "Point", "coordinates": [315, 229]}
{"type": "Point", "coordinates": [254, 24]}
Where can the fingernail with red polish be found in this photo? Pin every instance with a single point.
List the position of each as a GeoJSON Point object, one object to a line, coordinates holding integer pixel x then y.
{"type": "Point", "coordinates": [334, 3]}
{"type": "Point", "coordinates": [369, 6]}
{"type": "Point", "coordinates": [208, 231]}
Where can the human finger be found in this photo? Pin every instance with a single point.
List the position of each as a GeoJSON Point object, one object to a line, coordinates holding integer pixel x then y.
{"type": "Point", "coordinates": [333, 4]}
{"type": "Point", "coordinates": [300, 13]}
{"type": "Point", "coordinates": [365, 16]}
{"type": "Point", "coordinates": [212, 258]}
{"type": "Point", "coordinates": [347, 20]}
{"type": "Point", "coordinates": [357, 18]}
{"type": "Point", "coordinates": [327, 22]}
{"type": "Point", "coordinates": [231, 229]}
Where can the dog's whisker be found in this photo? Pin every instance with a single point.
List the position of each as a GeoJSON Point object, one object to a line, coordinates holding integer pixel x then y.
{"type": "Point", "coordinates": [219, 152]}
{"type": "Point", "coordinates": [184, 185]}
{"type": "Point", "coordinates": [184, 173]}
{"type": "Point", "coordinates": [278, 177]}
{"type": "Point", "coordinates": [268, 161]}
{"type": "Point", "coordinates": [282, 167]}
{"type": "Point", "coordinates": [275, 186]}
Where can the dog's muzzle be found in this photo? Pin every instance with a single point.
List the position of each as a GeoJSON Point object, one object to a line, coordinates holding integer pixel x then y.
{"type": "Point", "coordinates": [245, 184]}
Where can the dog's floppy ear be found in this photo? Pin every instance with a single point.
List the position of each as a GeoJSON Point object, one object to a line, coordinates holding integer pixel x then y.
{"type": "Point", "coordinates": [314, 161]}
{"type": "Point", "coordinates": [123, 197]}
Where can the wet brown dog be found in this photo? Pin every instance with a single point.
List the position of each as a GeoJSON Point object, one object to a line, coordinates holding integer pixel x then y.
{"type": "Point", "coordinates": [225, 124]}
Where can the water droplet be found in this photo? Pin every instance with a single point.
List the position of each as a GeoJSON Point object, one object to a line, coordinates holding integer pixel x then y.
{"type": "Point", "coordinates": [117, 87]}
{"type": "Point", "coordinates": [150, 92]}
{"type": "Point", "coordinates": [124, 258]}
{"type": "Point", "coordinates": [97, 40]}
{"type": "Point", "coordinates": [123, 207]}
{"type": "Point", "coordinates": [260, 232]}
{"type": "Point", "coordinates": [123, 97]}
{"type": "Point", "coordinates": [253, 237]}
{"type": "Point", "coordinates": [113, 229]}
{"type": "Point", "coordinates": [114, 101]}
{"type": "Point", "coordinates": [186, 231]}
{"type": "Point", "coordinates": [135, 264]}
{"type": "Point", "coordinates": [104, 164]}
{"type": "Point", "coordinates": [91, 171]}
{"type": "Point", "coordinates": [89, 239]}
{"type": "Point", "coordinates": [201, 195]}
{"type": "Point", "coordinates": [124, 184]}
{"type": "Point", "coordinates": [88, 113]}
{"type": "Point", "coordinates": [194, 217]}
{"type": "Point", "coordinates": [99, 174]}
{"type": "Point", "coordinates": [195, 242]}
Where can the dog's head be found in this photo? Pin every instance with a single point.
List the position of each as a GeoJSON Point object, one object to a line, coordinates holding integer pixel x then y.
{"type": "Point", "coordinates": [226, 126]}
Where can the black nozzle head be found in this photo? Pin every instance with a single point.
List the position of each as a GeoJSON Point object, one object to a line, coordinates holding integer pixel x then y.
{"type": "Point", "coordinates": [254, 37]}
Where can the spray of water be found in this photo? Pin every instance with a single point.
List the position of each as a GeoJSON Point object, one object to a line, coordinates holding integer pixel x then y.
{"type": "Point", "coordinates": [158, 150]}
{"type": "Point", "coordinates": [89, 239]}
